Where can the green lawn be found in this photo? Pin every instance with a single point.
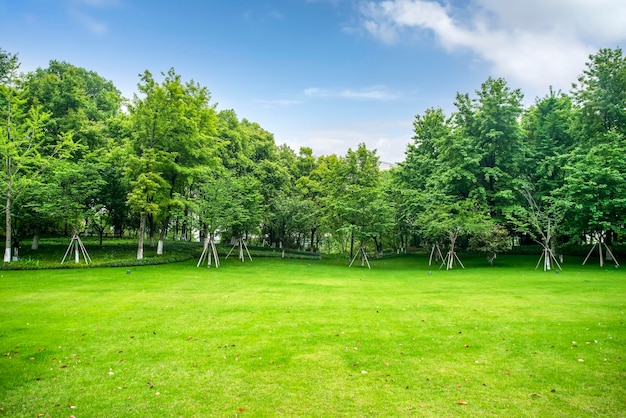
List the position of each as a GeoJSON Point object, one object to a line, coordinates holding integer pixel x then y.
{"type": "Point", "coordinates": [314, 338]}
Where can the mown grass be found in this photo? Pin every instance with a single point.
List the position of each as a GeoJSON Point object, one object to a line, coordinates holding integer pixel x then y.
{"type": "Point", "coordinates": [314, 338]}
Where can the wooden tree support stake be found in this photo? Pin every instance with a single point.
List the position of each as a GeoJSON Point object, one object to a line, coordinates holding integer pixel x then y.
{"type": "Point", "coordinates": [547, 256]}
{"type": "Point", "coordinates": [599, 243]}
{"type": "Point", "coordinates": [209, 248]}
{"type": "Point", "coordinates": [364, 258]}
{"type": "Point", "coordinates": [79, 248]}
{"type": "Point", "coordinates": [450, 259]}
{"type": "Point", "coordinates": [240, 244]}
{"type": "Point", "coordinates": [438, 255]}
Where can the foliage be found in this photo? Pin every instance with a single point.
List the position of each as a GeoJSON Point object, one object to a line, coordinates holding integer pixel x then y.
{"type": "Point", "coordinates": [169, 164]}
{"type": "Point", "coordinates": [491, 241]}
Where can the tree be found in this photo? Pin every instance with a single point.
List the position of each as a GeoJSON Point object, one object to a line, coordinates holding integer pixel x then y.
{"type": "Point", "coordinates": [541, 219]}
{"type": "Point", "coordinates": [422, 154]}
{"type": "Point", "coordinates": [78, 101]}
{"type": "Point", "coordinates": [358, 200]}
{"type": "Point", "coordinates": [549, 136]}
{"type": "Point", "coordinates": [594, 189]}
{"type": "Point", "coordinates": [490, 124]}
{"type": "Point", "coordinates": [452, 218]}
{"type": "Point", "coordinates": [26, 149]}
{"type": "Point", "coordinates": [173, 135]}
{"type": "Point", "coordinates": [601, 94]}
{"type": "Point", "coordinates": [492, 240]}
{"type": "Point", "coordinates": [595, 170]}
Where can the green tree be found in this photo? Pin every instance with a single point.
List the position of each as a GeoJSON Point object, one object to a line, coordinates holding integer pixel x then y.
{"type": "Point", "coordinates": [490, 122]}
{"type": "Point", "coordinates": [491, 240]}
{"type": "Point", "coordinates": [451, 218]}
{"type": "Point", "coordinates": [423, 153]}
{"type": "Point", "coordinates": [27, 149]}
{"type": "Point", "coordinates": [78, 101]}
{"type": "Point", "coordinates": [358, 201]}
{"type": "Point", "coordinates": [549, 136]}
{"type": "Point", "coordinates": [601, 94]}
{"type": "Point", "coordinates": [173, 136]}
{"type": "Point", "coordinates": [595, 181]}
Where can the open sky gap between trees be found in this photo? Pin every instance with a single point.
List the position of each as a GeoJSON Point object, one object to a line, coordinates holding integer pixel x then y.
{"type": "Point", "coordinates": [78, 157]}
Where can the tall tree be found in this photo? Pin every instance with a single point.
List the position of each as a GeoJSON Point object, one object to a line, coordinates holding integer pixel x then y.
{"type": "Point", "coordinates": [549, 136]}
{"type": "Point", "coordinates": [595, 170]}
{"type": "Point", "coordinates": [358, 201]}
{"type": "Point", "coordinates": [27, 149]}
{"type": "Point", "coordinates": [173, 134]}
{"type": "Point", "coordinates": [601, 94]}
{"type": "Point", "coordinates": [490, 122]}
{"type": "Point", "coordinates": [594, 188]}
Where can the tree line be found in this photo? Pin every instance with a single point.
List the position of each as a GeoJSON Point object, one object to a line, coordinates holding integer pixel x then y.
{"type": "Point", "coordinates": [167, 163]}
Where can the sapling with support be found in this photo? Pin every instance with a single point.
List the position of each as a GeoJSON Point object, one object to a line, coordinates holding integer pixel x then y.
{"type": "Point", "coordinates": [599, 241]}
{"type": "Point", "coordinates": [77, 245]}
{"type": "Point", "coordinates": [208, 250]}
{"type": "Point", "coordinates": [240, 244]}
{"type": "Point", "coordinates": [364, 258]}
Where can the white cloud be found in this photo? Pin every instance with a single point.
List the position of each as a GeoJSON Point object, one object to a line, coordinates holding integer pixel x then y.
{"type": "Point", "coordinates": [388, 137]}
{"type": "Point", "coordinates": [369, 93]}
{"type": "Point", "coordinates": [534, 43]}
{"type": "Point", "coordinates": [92, 25]}
{"type": "Point", "coordinates": [80, 11]}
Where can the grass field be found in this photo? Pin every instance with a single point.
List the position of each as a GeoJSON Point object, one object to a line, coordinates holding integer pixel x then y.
{"type": "Point", "coordinates": [314, 338]}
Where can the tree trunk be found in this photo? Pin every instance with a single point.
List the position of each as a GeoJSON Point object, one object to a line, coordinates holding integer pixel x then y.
{"type": "Point", "coordinates": [142, 232]}
{"type": "Point", "coordinates": [35, 244]}
{"type": "Point", "coordinates": [351, 244]}
{"type": "Point", "coordinates": [151, 225]}
{"type": "Point", "coordinates": [313, 239]}
{"type": "Point", "coordinates": [7, 209]}
{"type": "Point", "coordinates": [161, 241]}
{"type": "Point", "coordinates": [451, 255]}
{"type": "Point", "coordinates": [7, 212]}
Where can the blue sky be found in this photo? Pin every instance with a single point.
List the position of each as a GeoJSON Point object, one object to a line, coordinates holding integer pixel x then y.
{"type": "Point", "coordinates": [327, 74]}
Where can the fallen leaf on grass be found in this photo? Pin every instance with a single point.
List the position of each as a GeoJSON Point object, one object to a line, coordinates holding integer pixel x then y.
{"type": "Point", "coordinates": [461, 403]}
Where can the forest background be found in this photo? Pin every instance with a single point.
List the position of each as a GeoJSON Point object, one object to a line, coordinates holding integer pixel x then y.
{"type": "Point", "coordinates": [79, 157]}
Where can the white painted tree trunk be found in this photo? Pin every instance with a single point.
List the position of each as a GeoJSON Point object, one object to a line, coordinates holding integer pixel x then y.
{"type": "Point", "coordinates": [142, 232]}
{"type": "Point", "coordinates": [35, 244]}
{"type": "Point", "coordinates": [160, 247]}
{"type": "Point", "coordinates": [7, 212]}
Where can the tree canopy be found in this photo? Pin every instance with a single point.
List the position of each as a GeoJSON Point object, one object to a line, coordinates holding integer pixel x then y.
{"type": "Point", "coordinates": [168, 163]}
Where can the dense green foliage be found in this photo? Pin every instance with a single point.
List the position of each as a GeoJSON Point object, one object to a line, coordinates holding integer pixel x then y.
{"type": "Point", "coordinates": [76, 156]}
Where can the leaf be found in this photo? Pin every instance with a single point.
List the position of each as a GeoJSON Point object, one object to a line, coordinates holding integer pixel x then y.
{"type": "Point", "coordinates": [461, 403]}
